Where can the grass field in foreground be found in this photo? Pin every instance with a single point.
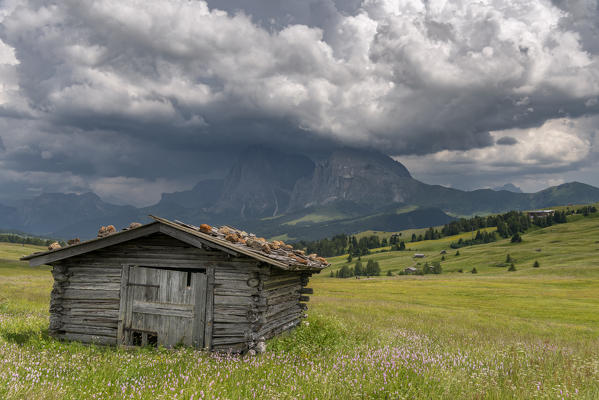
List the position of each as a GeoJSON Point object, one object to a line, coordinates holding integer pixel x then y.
{"type": "Point", "coordinates": [532, 333]}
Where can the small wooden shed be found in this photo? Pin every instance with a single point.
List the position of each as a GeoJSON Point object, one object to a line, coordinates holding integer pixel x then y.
{"type": "Point", "coordinates": [169, 283]}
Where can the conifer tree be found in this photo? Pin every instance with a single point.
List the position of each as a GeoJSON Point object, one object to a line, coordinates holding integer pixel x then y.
{"type": "Point", "coordinates": [358, 269]}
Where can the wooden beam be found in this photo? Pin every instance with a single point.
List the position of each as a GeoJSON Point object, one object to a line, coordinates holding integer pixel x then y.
{"type": "Point", "coordinates": [91, 245]}
{"type": "Point", "coordinates": [220, 244]}
{"type": "Point", "coordinates": [193, 239]}
{"type": "Point", "coordinates": [209, 308]}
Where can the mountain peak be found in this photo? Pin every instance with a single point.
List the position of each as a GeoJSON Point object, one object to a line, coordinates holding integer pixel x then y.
{"type": "Point", "coordinates": [260, 182]}
{"type": "Point", "coordinates": [350, 158]}
{"type": "Point", "coordinates": [359, 176]}
{"type": "Point", "coordinates": [510, 187]}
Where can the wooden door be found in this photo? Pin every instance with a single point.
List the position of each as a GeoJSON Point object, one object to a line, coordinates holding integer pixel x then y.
{"type": "Point", "coordinates": [162, 307]}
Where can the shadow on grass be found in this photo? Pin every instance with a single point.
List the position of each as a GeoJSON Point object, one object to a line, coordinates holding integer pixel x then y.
{"type": "Point", "coordinates": [27, 336]}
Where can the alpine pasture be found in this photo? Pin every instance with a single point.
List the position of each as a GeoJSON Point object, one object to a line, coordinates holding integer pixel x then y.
{"type": "Point", "coordinates": [496, 334]}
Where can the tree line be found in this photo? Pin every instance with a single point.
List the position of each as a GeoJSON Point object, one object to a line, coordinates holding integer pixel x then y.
{"type": "Point", "coordinates": [342, 244]}
{"type": "Point", "coordinates": [509, 224]}
{"type": "Point", "coordinates": [480, 238]}
{"type": "Point", "coordinates": [372, 269]}
{"type": "Point", "coordinates": [14, 238]}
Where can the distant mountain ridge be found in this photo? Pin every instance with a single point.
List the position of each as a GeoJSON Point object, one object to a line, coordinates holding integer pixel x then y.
{"type": "Point", "coordinates": [288, 195]}
{"type": "Point", "coordinates": [510, 187]}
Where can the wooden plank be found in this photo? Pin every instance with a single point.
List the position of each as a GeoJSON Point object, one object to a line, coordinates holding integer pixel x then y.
{"type": "Point", "coordinates": [165, 263]}
{"type": "Point", "coordinates": [288, 321]}
{"type": "Point", "coordinates": [230, 318]}
{"type": "Point", "coordinates": [94, 286]}
{"type": "Point", "coordinates": [224, 327]}
{"type": "Point", "coordinates": [237, 300]}
{"type": "Point", "coordinates": [83, 312]}
{"type": "Point", "coordinates": [247, 292]}
{"type": "Point", "coordinates": [283, 291]}
{"type": "Point", "coordinates": [280, 329]}
{"type": "Point", "coordinates": [94, 279]}
{"type": "Point", "coordinates": [220, 341]}
{"type": "Point", "coordinates": [237, 265]}
{"type": "Point", "coordinates": [234, 284]}
{"type": "Point", "coordinates": [79, 269]}
{"type": "Point", "coordinates": [130, 297]}
{"type": "Point", "coordinates": [232, 309]}
{"type": "Point", "coordinates": [90, 330]}
{"type": "Point", "coordinates": [225, 277]}
{"type": "Point", "coordinates": [122, 304]}
{"type": "Point", "coordinates": [91, 321]}
{"type": "Point", "coordinates": [189, 236]}
{"type": "Point", "coordinates": [96, 339]}
{"type": "Point", "coordinates": [167, 309]}
{"type": "Point", "coordinates": [199, 324]}
{"type": "Point", "coordinates": [91, 245]}
{"type": "Point", "coordinates": [176, 247]}
{"type": "Point", "coordinates": [172, 254]}
{"type": "Point", "coordinates": [275, 309]}
{"type": "Point", "coordinates": [268, 285]}
{"type": "Point", "coordinates": [98, 304]}
{"type": "Point", "coordinates": [280, 278]}
{"type": "Point", "coordinates": [145, 285]}
{"type": "Point", "coordinates": [209, 308]}
{"type": "Point", "coordinates": [88, 294]}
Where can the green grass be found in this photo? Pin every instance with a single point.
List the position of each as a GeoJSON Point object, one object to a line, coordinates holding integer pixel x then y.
{"type": "Point", "coordinates": [12, 251]}
{"type": "Point", "coordinates": [532, 333]}
{"type": "Point", "coordinates": [318, 216]}
{"type": "Point", "coordinates": [406, 209]}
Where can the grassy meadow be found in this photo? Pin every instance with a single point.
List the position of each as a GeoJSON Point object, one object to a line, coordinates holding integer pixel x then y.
{"type": "Point", "coordinates": [528, 334]}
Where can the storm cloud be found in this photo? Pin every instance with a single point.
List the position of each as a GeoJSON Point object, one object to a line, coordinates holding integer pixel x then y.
{"type": "Point", "coordinates": [132, 98]}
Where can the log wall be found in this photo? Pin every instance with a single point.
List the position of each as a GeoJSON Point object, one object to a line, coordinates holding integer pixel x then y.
{"type": "Point", "coordinates": [247, 301]}
{"type": "Point", "coordinates": [285, 298]}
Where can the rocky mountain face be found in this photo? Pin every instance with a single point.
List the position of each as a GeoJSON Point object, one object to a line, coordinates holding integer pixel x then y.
{"type": "Point", "coordinates": [261, 182]}
{"type": "Point", "coordinates": [362, 177]}
{"type": "Point", "coordinates": [203, 195]}
{"type": "Point", "coordinates": [272, 193]}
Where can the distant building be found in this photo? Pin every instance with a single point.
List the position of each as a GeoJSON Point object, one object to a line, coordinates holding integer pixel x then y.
{"type": "Point", "coordinates": [540, 213]}
{"type": "Point", "coordinates": [443, 252]}
{"type": "Point", "coordinates": [410, 270]}
{"type": "Point", "coordinates": [419, 255]}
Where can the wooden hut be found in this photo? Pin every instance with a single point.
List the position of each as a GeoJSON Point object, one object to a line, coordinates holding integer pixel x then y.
{"type": "Point", "coordinates": [169, 283]}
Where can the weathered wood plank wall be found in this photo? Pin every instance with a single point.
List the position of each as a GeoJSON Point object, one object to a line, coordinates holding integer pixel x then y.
{"type": "Point", "coordinates": [247, 301]}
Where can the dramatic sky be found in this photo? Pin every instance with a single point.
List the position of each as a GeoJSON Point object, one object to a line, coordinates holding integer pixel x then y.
{"type": "Point", "coordinates": [130, 99]}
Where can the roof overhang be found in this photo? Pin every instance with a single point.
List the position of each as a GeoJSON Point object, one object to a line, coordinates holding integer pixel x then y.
{"type": "Point", "coordinates": [160, 225]}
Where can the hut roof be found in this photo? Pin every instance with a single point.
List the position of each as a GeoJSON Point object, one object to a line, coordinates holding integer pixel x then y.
{"type": "Point", "coordinates": [227, 239]}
